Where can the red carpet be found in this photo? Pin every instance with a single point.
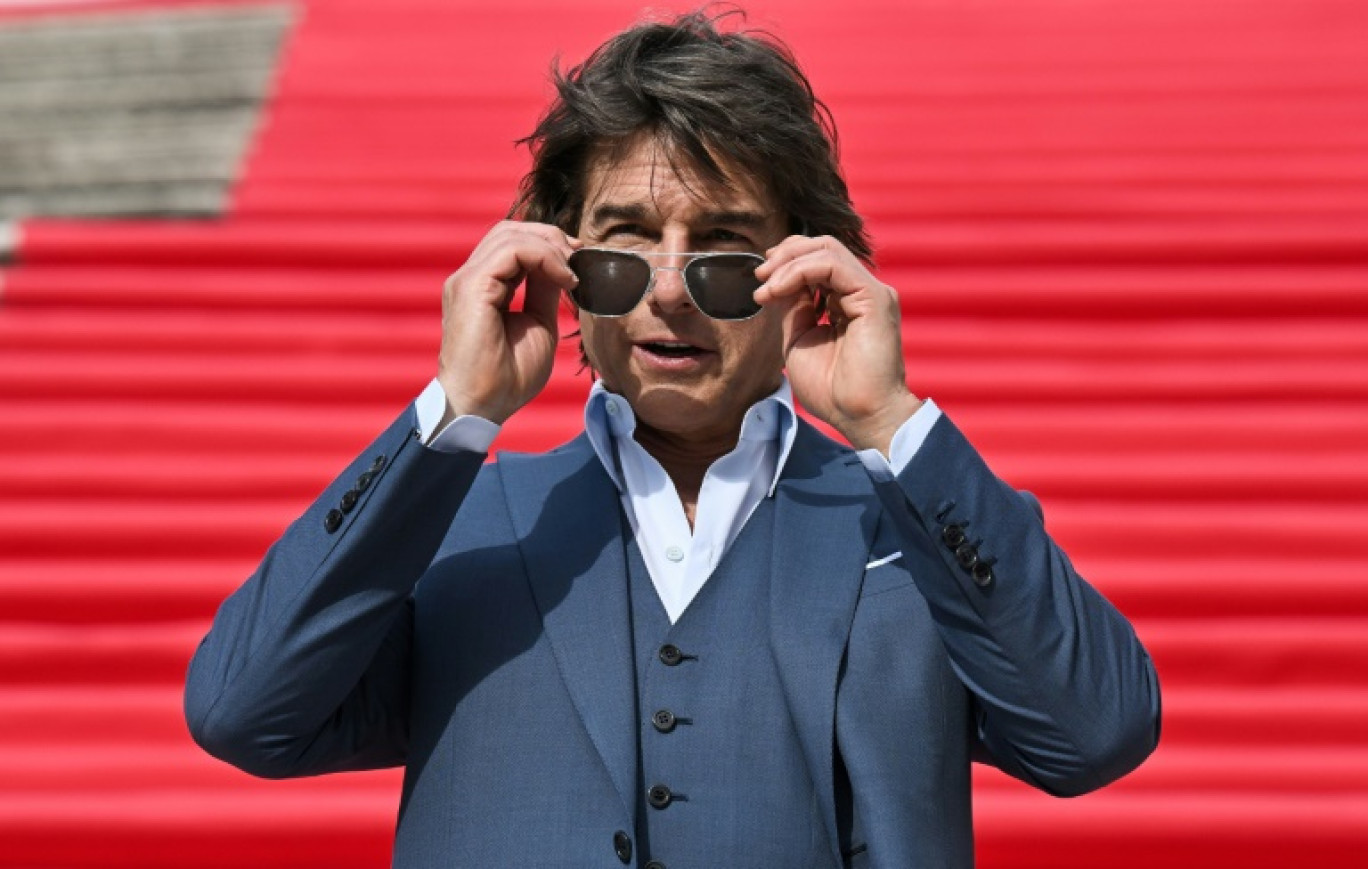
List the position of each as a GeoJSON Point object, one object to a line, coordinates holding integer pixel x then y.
{"type": "Point", "coordinates": [1132, 243]}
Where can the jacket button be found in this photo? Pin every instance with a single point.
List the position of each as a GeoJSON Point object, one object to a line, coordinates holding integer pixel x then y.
{"type": "Point", "coordinates": [659, 796]}
{"type": "Point", "coordinates": [363, 482]}
{"type": "Point", "coordinates": [622, 846]}
{"type": "Point", "coordinates": [655, 864]}
{"type": "Point", "coordinates": [953, 535]}
{"type": "Point", "coordinates": [332, 521]}
{"type": "Point", "coordinates": [982, 574]}
{"type": "Point", "coordinates": [670, 655]}
{"type": "Point", "coordinates": [349, 499]}
{"type": "Point", "coordinates": [664, 721]}
{"type": "Point", "coordinates": [967, 556]}
{"type": "Point", "coordinates": [379, 463]}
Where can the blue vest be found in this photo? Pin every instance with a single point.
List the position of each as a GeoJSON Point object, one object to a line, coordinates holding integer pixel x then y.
{"type": "Point", "coordinates": [720, 770]}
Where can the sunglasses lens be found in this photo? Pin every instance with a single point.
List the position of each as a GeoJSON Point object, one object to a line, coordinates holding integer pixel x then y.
{"type": "Point", "coordinates": [610, 283]}
{"type": "Point", "coordinates": [722, 285]}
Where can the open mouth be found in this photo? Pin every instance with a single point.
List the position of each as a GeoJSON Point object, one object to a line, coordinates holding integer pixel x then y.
{"type": "Point", "coordinates": [671, 349]}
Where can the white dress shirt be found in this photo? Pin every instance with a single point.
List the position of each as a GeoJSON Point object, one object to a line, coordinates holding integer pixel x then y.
{"type": "Point", "coordinates": [678, 558]}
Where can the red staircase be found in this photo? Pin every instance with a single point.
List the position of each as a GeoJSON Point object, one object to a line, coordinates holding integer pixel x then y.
{"type": "Point", "coordinates": [1132, 243]}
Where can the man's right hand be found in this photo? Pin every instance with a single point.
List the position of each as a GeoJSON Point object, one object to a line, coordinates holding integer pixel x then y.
{"type": "Point", "coordinates": [494, 360]}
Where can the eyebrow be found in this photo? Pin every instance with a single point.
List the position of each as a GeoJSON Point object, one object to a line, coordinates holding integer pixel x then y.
{"type": "Point", "coordinates": [609, 212]}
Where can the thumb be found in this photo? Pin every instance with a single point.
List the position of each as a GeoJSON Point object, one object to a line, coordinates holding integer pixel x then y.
{"type": "Point", "coordinates": [541, 302]}
{"type": "Point", "coordinates": [799, 319]}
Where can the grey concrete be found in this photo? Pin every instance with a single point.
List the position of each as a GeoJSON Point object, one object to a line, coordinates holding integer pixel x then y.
{"type": "Point", "coordinates": [9, 242]}
{"type": "Point", "coordinates": [139, 113]}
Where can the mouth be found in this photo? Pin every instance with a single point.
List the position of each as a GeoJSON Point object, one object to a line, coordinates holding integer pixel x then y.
{"type": "Point", "coordinates": [672, 349]}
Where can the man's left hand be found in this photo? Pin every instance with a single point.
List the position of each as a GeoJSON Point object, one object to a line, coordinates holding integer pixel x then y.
{"type": "Point", "coordinates": [849, 370]}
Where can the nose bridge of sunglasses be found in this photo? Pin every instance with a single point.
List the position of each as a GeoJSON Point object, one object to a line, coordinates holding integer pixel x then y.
{"type": "Point", "coordinates": [668, 283]}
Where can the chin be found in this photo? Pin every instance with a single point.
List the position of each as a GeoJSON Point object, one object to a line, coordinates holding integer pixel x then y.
{"type": "Point", "coordinates": [674, 411]}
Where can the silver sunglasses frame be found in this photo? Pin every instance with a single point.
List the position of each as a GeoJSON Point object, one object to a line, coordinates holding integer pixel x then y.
{"type": "Point", "coordinates": [690, 258]}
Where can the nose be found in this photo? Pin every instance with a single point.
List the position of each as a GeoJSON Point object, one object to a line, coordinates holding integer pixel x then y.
{"type": "Point", "coordinates": [668, 292]}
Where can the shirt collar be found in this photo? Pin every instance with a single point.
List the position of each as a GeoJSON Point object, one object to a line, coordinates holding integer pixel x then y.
{"type": "Point", "coordinates": [608, 416]}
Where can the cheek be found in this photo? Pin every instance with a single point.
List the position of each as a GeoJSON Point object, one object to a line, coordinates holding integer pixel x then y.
{"type": "Point", "coordinates": [756, 357]}
{"type": "Point", "coordinates": [763, 345]}
{"type": "Point", "coordinates": [595, 337]}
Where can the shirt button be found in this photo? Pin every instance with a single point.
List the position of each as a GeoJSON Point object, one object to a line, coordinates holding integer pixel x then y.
{"type": "Point", "coordinates": [611, 407]}
{"type": "Point", "coordinates": [664, 721]}
{"type": "Point", "coordinates": [659, 796]}
{"type": "Point", "coordinates": [674, 553]}
{"type": "Point", "coordinates": [622, 846]}
{"type": "Point", "coordinates": [670, 655]}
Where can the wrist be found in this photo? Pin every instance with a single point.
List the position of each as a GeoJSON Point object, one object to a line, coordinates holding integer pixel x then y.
{"type": "Point", "coordinates": [459, 404]}
{"type": "Point", "coordinates": [876, 430]}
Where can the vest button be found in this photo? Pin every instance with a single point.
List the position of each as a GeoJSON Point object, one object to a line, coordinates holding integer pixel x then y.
{"type": "Point", "coordinates": [659, 796]}
{"type": "Point", "coordinates": [622, 846]}
{"type": "Point", "coordinates": [655, 864]}
{"type": "Point", "coordinates": [670, 655]}
{"type": "Point", "coordinates": [664, 721]}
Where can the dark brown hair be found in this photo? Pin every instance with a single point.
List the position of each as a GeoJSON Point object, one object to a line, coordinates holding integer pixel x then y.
{"type": "Point", "coordinates": [717, 100]}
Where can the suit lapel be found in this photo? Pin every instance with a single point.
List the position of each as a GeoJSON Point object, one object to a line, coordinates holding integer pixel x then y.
{"type": "Point", "coordinates": [824, 520]}
{"type": "Point", "coordinates": [567, 516]}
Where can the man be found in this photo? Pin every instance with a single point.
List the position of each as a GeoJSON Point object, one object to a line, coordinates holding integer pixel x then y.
{"type": "Point", "coordinates": [701, 634]}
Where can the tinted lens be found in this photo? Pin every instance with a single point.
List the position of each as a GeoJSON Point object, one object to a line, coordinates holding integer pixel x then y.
{"type": "Point", "coordinates": [610, 282]}
{"type": "Point", "coordinates": [722, 284]}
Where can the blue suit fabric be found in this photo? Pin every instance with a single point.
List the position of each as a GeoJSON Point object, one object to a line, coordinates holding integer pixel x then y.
{"type": "Point", "coordinates": [474, 623]}
{"type": "Point", "coordinates": [715, 733]}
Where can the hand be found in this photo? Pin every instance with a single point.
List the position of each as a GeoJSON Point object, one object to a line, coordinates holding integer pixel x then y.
{"type": "Point", "coordinates": [494, 360]}
{"type": "Point", "coordinates": [848, 371]}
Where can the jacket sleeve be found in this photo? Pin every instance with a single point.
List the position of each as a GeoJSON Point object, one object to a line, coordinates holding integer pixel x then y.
{"type": "Point", "coordinates": [1065, 696]}
{"type": "Point", "coordinates": [306, 666]}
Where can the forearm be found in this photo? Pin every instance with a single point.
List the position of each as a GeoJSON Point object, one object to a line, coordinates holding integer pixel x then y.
{"type": "Point", "coordinates": [1068, 697]}
{"type": "Point", "coordinates": [305, 667]}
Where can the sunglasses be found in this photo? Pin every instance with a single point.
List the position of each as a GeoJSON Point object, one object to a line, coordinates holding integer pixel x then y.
{"type": "Point", "coordinates": [613, 282]}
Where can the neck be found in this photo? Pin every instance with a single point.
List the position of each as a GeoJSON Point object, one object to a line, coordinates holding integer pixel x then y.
{"type": "Point", "coordinates": [686, 458]}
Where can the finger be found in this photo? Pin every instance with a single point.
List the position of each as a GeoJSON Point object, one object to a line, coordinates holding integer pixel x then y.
{"type": "Point", "coordinates": [513, 234]}
{"type": "Point", "coordinates": [831, 269]}
{"type": "Point", "coordinates": [519, 257]}
{"type": "Point", "coordinates": [548, 263]}
{"type": "Point", "coordinates": [542, 301]}
{"type": "Point", "coordinates": [553, 234]}
{"type": "Point", "coordinates": [802, 274]}
{"type": "Point", "coordinates": [785, 251]}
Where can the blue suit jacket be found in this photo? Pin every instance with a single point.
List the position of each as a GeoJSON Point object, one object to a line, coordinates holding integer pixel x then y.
{"type": "Point", "coordinates": [471, 622]}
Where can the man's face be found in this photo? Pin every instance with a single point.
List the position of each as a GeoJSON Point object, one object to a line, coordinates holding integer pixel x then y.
{"type": "Point", "coordinates": [703, 388]}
